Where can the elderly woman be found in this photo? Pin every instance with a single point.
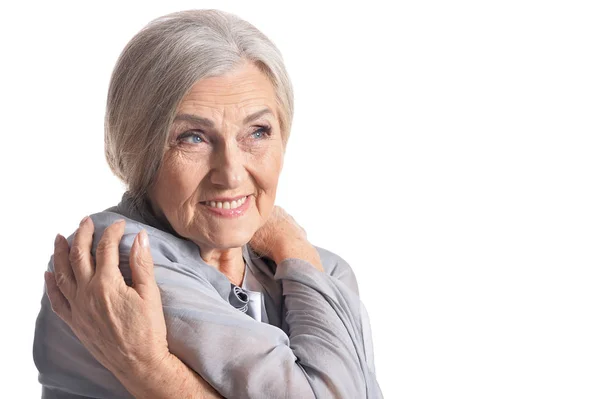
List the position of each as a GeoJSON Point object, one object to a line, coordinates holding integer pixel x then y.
{"type": "Point", "coordinates": [195, 284]}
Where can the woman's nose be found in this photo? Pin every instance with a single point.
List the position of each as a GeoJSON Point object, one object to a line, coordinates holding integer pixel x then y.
{"type": "Point", "coordinates": [228, 168]}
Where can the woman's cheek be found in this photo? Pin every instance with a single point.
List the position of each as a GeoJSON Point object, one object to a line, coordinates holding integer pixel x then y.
{"type": "Point", "coordinates": [264, 203]}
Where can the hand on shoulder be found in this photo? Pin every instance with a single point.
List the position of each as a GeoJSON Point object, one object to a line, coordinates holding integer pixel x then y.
{"type": "Point", "coordinates": [281, 237]}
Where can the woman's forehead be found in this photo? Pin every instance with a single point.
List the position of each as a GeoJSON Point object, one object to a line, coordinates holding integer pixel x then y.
{"type": "Point", "coordinates": [244, 90]}
{"type": "Point", "coordinates": [196, 119]}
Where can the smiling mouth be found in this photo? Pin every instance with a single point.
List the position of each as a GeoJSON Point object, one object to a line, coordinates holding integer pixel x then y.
{"type": "Point", "coordinates": [225, 204]}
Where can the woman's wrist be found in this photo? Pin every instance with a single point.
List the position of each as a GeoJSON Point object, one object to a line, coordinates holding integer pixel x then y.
{"type": "Point", "coordinates": [167, 377]}
{"type": "Point", "coordinates": [298, 249]}
{"type": "Point", "coordinates": [150, 367]}
{"type": "Point", "coordinates": [136, 375]}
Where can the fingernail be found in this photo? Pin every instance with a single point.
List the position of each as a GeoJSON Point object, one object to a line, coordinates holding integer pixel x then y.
{"type": "Point", "coordinates": [119, 221]}
{"type": "Point", "coordinates": [57, 240]}
{"type": "Point", "coordinates": [144, 239]}
{"type": "Point", "coordinates": [83, 220]}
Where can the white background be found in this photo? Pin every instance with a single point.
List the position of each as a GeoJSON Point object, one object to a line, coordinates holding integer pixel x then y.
{"type": "Point", "coordinates": [449, 151]}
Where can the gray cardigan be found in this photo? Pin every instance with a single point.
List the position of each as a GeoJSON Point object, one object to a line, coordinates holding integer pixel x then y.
{"type": "Point", "coordinates": [315, 341]}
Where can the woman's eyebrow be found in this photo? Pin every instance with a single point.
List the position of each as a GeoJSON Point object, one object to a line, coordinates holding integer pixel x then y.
{"type": "Point", "coordinates": [199, 120]}
{"type": "Point", "coordinates": [257, 115]}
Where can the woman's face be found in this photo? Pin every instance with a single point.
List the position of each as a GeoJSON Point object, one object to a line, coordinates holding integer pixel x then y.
{"type": "Point", "coordinates": [218, 178]}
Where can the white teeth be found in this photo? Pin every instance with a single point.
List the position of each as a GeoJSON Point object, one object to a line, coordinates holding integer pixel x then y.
{"type": "Point", "coordinates": [226, 204]}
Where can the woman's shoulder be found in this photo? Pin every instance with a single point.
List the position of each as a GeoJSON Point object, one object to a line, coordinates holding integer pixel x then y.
{"type": "Point", "coordinates": [132, 226]}
{"type": "Point", "coordinates": [165, 247]}
{"type": "Point", "coordinates": [337, 267]}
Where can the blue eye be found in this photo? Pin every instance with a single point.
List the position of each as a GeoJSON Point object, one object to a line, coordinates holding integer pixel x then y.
{"type": "Point", "coordinates": [262, 132]}
{"type": "Point", "coordinates": [190, 138]}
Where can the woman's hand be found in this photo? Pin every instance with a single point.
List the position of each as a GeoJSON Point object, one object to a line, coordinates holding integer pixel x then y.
{"type": "Point", "coordinates": [122, 327]}
{"type": "Point", "coordinates": [281, 238]}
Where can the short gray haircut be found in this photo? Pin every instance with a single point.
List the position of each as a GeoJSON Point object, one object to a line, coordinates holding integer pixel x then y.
{"type": "Point", "coordinates": [159, 66]}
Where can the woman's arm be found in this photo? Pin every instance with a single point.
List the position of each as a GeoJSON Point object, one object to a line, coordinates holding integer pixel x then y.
{"type": "Point", "coordinates": [145, 372]}
{"type": "Point", "coordinates": [168, 379]}
{"type": "Point", "coordinates": [323, 355]}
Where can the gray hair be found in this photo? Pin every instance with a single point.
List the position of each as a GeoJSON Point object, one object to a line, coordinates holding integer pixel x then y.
{"type": "Point", "coordinates": [159, 66]}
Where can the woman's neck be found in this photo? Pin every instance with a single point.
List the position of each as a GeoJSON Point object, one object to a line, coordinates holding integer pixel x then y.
{"type": "Point", "coordinates": [230, 262]}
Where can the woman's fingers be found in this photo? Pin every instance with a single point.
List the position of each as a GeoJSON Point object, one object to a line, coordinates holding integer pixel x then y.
{"type": "Point", "coordinates": [60, 304]}
{"type": "Point", "coordinates": [107, 252]}
{"type": "Point", "coordinates": [142, 266]}
{"type": "Point", "coordinates": [80, 254]}
{"type": "Point", "coordinates": [63, 277]}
